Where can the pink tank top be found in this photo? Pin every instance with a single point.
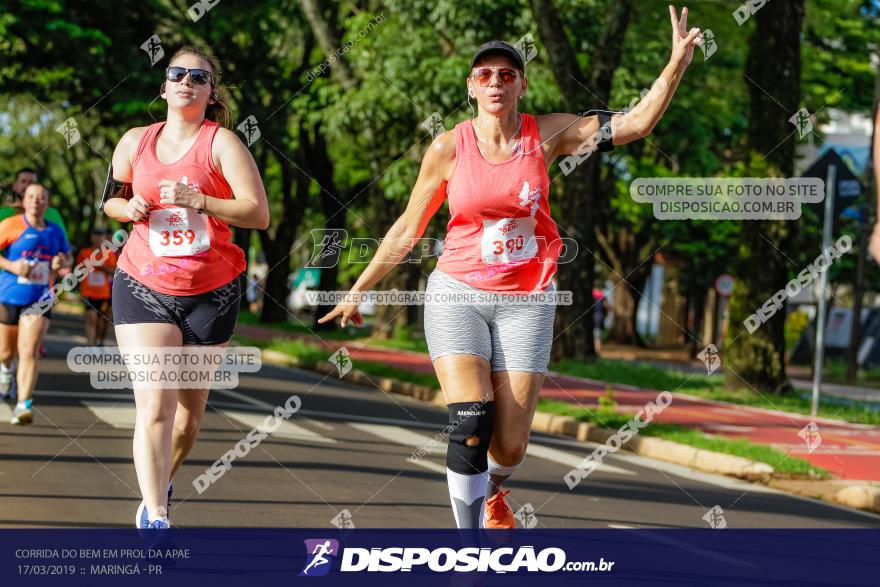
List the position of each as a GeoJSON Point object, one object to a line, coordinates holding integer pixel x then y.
{"type": "Point", "coordinates": [500, 236]}
{"type": "Point", "coordinates": [178, 251]}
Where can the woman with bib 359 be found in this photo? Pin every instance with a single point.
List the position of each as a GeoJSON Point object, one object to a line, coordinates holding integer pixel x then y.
{"type": "Point", "coordinates": [177, 282]}
{"type": "Point", "coordinates": [491, 359]}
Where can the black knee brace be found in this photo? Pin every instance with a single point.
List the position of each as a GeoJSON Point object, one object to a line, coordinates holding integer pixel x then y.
{"type": "Point", "coordinates": [471, 425]}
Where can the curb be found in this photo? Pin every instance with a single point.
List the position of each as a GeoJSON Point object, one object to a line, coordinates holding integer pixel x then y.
{"type": "Point", "coordinates": [861, 495]}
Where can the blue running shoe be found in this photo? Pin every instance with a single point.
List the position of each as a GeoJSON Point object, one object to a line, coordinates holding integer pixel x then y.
{"type": "Point", "coordinates": [142, 518]}
{"type": "Point", "coordinates": [159, 524]}
{"type": "Point", "coordinates": [22, 415]}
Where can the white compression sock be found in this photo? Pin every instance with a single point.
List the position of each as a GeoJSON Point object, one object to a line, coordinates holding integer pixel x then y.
{"type": "Point", "coordinates": [467, 492]}
{"type": "Point", "coordinates": [498, 474]}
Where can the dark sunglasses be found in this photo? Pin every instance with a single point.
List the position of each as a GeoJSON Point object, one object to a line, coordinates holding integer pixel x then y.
{"type": "Point", "coordinates": [198, 76]}
{"type": "Point", "coordinates": [483, 75]}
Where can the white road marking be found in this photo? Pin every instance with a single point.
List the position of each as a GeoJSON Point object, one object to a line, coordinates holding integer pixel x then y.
{"type": "Point", "coordinates": [426, 464]}
{"type": "Point", "coordinates": [425, 445]}
{"type": "Point", "coordinates": [569, 460]}
{"type": "Point", "coordinates": [123, 416]}
{"type": "Point", "coordinates": [120, 416]}
{"type": "Point", "coordinates": [286, 428]}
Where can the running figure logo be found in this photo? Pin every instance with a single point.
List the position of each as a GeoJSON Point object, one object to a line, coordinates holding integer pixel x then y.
{"type": "Point", "coordinates": [249, 129]}
{"type": "Point", "coordinates": [70, 131]}
{"type": "Point", "coordinates": [434, 125]}
{"type": "Point", "coordinates": [709, 45]}
{"type": "Point", "coordinates": [526, 516]}
{"type": "Point", "coordinates": [715, 518]}
{"type": "Point", "coordinates": [327, 250]}
{"type": "Point", "coordinates": [342, 361]}
{"type": "Point", "coordinates": [801, 120]}
{"type": "Point", "coordinates": [319, 556]}
{"type": "Point", "coordinates": [526, 47]}
{"type": "Point", "coordinates": [343, 520]}
{"type": "Point", "coordinates": [710, 358]}
{"type": "Point", "coordinates": [811, 436]}
{"type": "Point", "coordinates": [153, 48]}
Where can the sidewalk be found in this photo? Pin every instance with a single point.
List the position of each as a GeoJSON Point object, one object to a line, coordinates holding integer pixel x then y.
{"type": "Point", "coordinates": [677, 359]}
{"type": "Point", "coordinates": [848, 451]}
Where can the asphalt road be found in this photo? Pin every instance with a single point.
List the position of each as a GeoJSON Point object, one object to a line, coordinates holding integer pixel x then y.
{"type": "Point", "coordinates": [350, 453]}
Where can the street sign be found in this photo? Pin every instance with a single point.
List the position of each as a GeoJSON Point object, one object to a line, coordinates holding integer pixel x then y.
{"type": "Point", "coordinates": [848, 188]}
{"type": "Point", "coordinates": [724, 285]}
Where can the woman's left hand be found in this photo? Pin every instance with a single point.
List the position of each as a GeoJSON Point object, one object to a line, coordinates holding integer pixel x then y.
{"type": "Point", "coordinates": [683, 41]}
{"type": "Point", "coordinates": [173, 193]}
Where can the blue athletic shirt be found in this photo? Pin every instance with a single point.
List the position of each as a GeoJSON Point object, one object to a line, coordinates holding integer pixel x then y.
{"type": "Point", "coordinates": [20, 240]}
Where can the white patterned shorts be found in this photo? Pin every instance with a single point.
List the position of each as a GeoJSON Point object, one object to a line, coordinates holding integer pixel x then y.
{"type": "Point", "coordinates": [510, 336]}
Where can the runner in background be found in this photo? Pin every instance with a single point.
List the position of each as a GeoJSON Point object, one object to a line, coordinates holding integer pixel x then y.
{"type": "Point", "coordinates": [24, 178]}
{"type": "Point", "coordinates": [95, 289]}
{"type": "Point", "coordinates": [32, 249]}
{"type": "Point", "coordinates": [13, 206]}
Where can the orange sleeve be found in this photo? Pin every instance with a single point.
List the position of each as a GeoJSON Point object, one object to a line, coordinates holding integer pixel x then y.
{"type": "Point", "coordinates": [10, 230]}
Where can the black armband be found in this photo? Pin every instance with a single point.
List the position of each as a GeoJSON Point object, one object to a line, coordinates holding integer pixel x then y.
{"type": "Point", "coordinates": [113, 188]}
{"type": "Point", "coordinates": [605, 142]}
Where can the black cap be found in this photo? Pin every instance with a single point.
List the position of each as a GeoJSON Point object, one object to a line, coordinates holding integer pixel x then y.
{"type": "Point", "coordinates": [499, 48]}
{"type": "Point", "coordinates": [102, 230]}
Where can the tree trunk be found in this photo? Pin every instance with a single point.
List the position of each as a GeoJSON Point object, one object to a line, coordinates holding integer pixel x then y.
{"type": "Point", "coordinates": [697, 311]}
{"type": "Point", "coordinates": [574, 323]}
{"type": "Point", "coordinates": [758, 360]}
{"type": "Point", "coordinates": [332, 205]}
{"type": "Point", "coordinates": [277, 249]}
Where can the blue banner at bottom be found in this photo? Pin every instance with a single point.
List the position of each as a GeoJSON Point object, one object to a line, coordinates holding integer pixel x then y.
{"type": "Point", "coordinates": [264, 557]}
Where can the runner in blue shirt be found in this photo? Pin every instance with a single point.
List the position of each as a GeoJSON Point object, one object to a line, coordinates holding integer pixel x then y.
{"type": "Point", "coordinates": [32, 249]}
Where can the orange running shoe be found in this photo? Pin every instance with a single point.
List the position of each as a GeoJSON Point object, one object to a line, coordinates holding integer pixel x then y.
{"type": "Point", "coordinates": [498, 515]}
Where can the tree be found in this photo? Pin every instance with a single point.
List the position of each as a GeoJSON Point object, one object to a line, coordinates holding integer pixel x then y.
{"type": "Point", "coordinates": [574, 323]}
{"type": "Point", "coordinates": [761, 266]}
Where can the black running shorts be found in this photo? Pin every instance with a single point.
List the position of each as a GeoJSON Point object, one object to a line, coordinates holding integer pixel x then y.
{"type": "Point", "coordinates": [204, 319]}
{"type": "Point", "coordinates": [10, 313]}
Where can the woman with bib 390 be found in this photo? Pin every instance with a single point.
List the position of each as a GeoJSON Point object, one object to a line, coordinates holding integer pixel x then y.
{"type": "Point", "coordinates": [491, 358]}
{"type": "Point", "coordinates": [177, 282]}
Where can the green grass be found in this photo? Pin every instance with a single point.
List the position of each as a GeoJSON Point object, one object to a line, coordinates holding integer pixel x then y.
{"type": "Point", "coordinates": [712, 387]}
{"type": "Point", "coordinates": [353, 333]}
{"type": "Point", "coordinates": [835, 371]}
{"type": "Point", "coordinates": [401, 344]}
{"type": "Point", "coordinates": [690, 436]}
{"type": "Point", "coordinates": [305, 328]}
{"type": "Point", "coordinates": [313, 354]}
{"type": "Point", "coordinates": [638, 374]}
